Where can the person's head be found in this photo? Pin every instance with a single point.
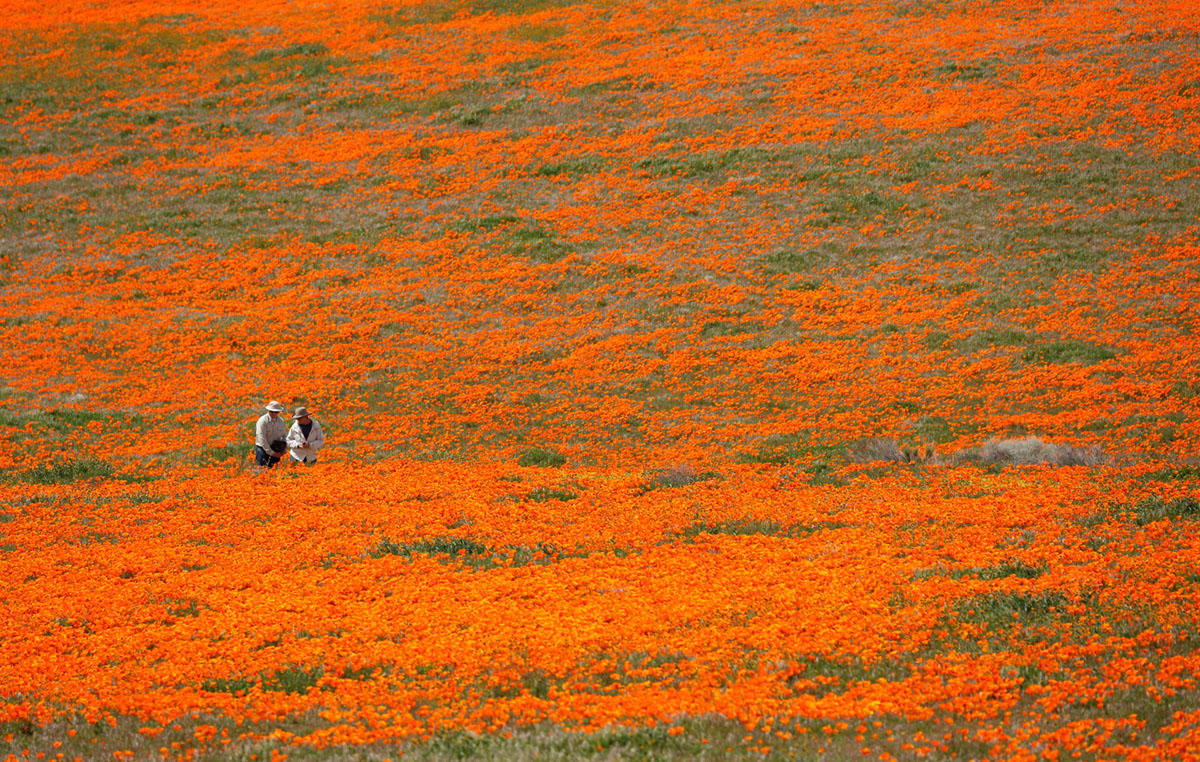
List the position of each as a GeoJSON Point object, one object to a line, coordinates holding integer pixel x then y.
{"type": "Point", "coordinates": [274, 408]}
{"type": "Point", "coordinates": [302, 416]}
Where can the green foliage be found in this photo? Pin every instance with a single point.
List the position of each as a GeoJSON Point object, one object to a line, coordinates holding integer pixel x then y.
{"type": "Point", "coordinates": [365, 673]}
{"type": "Point", "coordinates": [234, 685]}
{"type": "Point", "coordinates": [677, 476]}
{"type": "Point", "coordinates": [1061, 352]}
{"type": "Point", "coordinates": [712, 163]}
{"type": "Point", "coordinates": [1174, 474]}
{"type": "Point", "coordinates": [185, 607]}
{"type": "Point", "coordinates": [541, 458]}
{"type": "Point", "coordinates": [537, 244]}
{"type": "Point", "coordinates": [293, 679]}
{"type": "Point", "coordinates": [414, 15]}
{"type": "Point", "coordinates": [1156, 509]}
{"type": "Point", "coordinates": [1002, 337]}
{"type": "Point", "coordinates": [516, 7]}
{"type": "Point", "coordinates": [1000, 610]}
{"type": "Point", "coordinates": [68, 471]}
{"type": "Point", "coordinates": [721, 328]}
{"type": "Point", "coordinates": [1187, 390]}
{"type": "Point", "coordinates": [575, 167]}
{"type": "Point", "coordinates": [223, 453]}
{"type": "Point", "coordinates": [290, 679]}
{"type": "Point", "coordinates": [935, 339]}
{"type": "Point", "coordinates": [451, 546]}
{"type": "Point", "coordinates": [1010, 568]}
{"type": "Point", "coordinates": [292, 51]}
{"type": "Point", "coordinates": [538, 32]}
{"type": "Point", "coordinates": [486, 224]}
{"type": "Point", "coordinates": [21, 728]}
{"type": "Point", "coordinates": [778, 449]}
{"type": "Point", "coordinates": [542, 494]}
{"type": "Point", "coordinates": [819, 461]}
{"type": "Point", "coordinates": [617, 84]}
{"type": "Point", "coordinates": [752, 526]}
{"type": "Point", "coordinates": [742, 526]}
{"type": "Point", "coordinates": [63, 420]}
{"type": "Point", "coordinates": [467, 115]}
{"type": "Point", "coordinates": [843, 670]}
{"type": "Point", "coordinates": [982, 69]}
{"type": "Point", "coordinates": [534, 683]}
{"type": "Point", "coordinates": [790, 261]}
{"type": "Point", "coordinates": [847, 206]}
{"type": "Point", "coordinates": [74, 418]}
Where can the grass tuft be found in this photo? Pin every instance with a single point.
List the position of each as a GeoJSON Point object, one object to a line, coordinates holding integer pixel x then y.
{"type": "Point", "coordinates": [541, 458]}
{"type": "Point", "coordinates": [681, 475]}
{"type": "Point", "coordinates": [543, 494]}
{"type": "Point", "coordinates": [1064, 352]}
{"type": "Point", "coordinates": [451, 546]}
{"type": "Point", "coordinates": [1156, 509]}
{"type": "Point", "coordinates": [68, 471]}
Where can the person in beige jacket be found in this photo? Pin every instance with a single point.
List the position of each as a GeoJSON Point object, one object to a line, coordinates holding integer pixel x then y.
{"type": "Point", "coordinates": [270, 436]}
{"type": "Point", "coordinates": [305, 437]}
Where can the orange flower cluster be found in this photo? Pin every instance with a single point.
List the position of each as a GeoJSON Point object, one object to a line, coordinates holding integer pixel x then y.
{"type": "Point", "coordinates": [769, 277]}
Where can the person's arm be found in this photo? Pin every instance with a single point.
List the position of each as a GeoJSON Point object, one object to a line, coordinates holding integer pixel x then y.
{"type": "Point", "coordinates": [295, 437]}
{"type": "Point", "coordinates": [260, 434]}
{"type": "Point", "coordinates": [318, 437]}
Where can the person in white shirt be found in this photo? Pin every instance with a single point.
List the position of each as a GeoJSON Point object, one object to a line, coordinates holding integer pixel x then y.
{"type": "Point", "coordinates": [270, 436]}
{"type": "Point", "coordinates": [305, 437]}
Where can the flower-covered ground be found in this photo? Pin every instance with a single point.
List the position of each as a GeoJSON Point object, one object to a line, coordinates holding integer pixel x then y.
{"type": "Point", "coordinates": [701, 380]}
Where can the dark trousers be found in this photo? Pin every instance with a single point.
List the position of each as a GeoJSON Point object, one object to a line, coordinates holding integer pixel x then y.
{"type": "Point", "coordinates": [264, 458]}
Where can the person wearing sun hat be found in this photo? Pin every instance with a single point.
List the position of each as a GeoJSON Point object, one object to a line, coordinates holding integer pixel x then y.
{"type": "Point", "coordinates": [270, 436]}
{"type": "Point", "coordinates": [305, 437]}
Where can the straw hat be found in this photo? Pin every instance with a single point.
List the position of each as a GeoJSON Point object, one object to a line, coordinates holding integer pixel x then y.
{"type": "Point", "coordinates": [274, 407]}
{"type": "Point", "coordinates": [301, 412]}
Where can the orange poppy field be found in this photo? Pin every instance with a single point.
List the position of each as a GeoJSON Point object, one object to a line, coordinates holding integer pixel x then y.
{"type": "Point", "coordinates": [711, 380]}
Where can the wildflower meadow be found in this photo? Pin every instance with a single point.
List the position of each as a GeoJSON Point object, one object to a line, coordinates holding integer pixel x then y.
{"type": "Point", "coordinates": [721, 379]}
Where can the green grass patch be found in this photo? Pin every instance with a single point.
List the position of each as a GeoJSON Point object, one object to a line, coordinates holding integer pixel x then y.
{"type": "Point", "coordinates": [450, 546]}
{"type": "Point", "coordinates": [753, 526]}
{"type": "Point", "coordinates": [711, 163]}
{"type": "Point", "coordinates": [66, 472]}
{"type": "Point", "coordinates": [397, 19]}
{"type": "Point", "coordinates": [1063, 352]}
{"type": "Point", "coordinates": [541, 458]}
{"type": "Point", "coordinates": [1001, 337]}
{"type": "Point", "coordinates": [792, 261]}
{"type": "Point", "coordinates": [1157, 509]}
{"type": "Point", "coordinates": [622, 84]}
{"type": "Point", "coordinates": [1174, 474]}
{"type": "Point", "coordinates": [675, 477]}
{"type": "Point", "coordinates": [292, 51]}
{"type": "Point", "coordinates": [998, 611]}
{"type": "Point", "coordinates": [847, 206]}
{"type": "Point", "coordinates": [63, 420]}
{"type": "Point", "coordinates": [292, 679]}
{"type": "Point", "coordinates": [538, 32]}
{"type": "Point", "coordinates": [1011, 568]}
{"type": "Point", "coordinates": [223, 454]}
{"type": "Point", "coordinates": [577, 166]}
{"type": "Point", "coordinates": [968, 71]}
{"type": "Point", "coordinates": [724, 328]}
{"type": "Point", "coordinates": [536, 244]}
{"type": "Point", "coordinates": [486, 224]}
{"type": "Point", "coordinates": [840, 670]}
{"type": "Point", "coordinates": [819, 461]}
{"type": "Point", "coordinates": [544, 494]}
